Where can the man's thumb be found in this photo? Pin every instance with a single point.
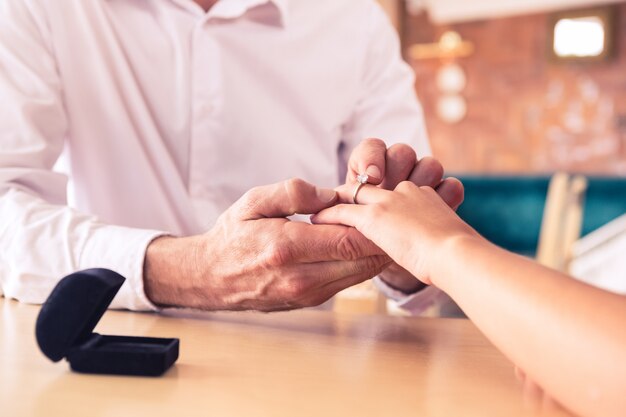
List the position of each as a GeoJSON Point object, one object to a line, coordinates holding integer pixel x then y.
{"type": "Point", "coordinates": [285, 199]}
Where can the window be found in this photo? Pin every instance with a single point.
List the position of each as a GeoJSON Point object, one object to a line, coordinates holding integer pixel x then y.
{"type": "Point", "coordinates": [582, 35]}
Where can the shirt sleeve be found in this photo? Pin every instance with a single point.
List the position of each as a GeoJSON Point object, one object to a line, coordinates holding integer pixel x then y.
{"type": "Point", "coordinates": [429, 302]}
{"type": "Point", "coordinates": [388, 109]}
{"type": "Point", "coordinates": [41, 238]}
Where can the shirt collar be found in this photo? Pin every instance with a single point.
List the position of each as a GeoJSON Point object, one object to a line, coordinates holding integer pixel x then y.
{"type": "Point", "coordinates": [270, 12]}
{"type": "Point", "coordinates": [281, 6]}
{"type": "Point", "coordinates": [283, 9]}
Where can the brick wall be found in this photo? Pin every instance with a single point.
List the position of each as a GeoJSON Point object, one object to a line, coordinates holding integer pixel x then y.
{"type": "Point", "coordinates": [525, 113]}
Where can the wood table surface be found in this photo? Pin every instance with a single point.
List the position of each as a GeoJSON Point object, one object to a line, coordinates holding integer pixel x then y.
{"type": "Point", "coordinates": [306, 363]}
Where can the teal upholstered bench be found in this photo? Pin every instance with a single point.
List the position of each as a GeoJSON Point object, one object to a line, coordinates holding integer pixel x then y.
{"type": "Point", "coordinates": [508, 210]}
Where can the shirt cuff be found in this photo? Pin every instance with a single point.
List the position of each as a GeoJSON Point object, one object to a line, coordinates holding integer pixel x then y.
{"type": "Point", "coordinates": [428, 302]}
{"type": "Point", "coordinates": [122, 250]}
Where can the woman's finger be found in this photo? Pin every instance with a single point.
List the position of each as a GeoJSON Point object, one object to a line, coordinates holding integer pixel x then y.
{"type": "Point", "coordinates": [346, 214]}
{"type": "Point", "coordinates": [365, 194]}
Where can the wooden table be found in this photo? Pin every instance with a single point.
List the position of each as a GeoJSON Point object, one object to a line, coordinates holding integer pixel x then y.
{"type": "Point", "coordinates": [307, 363]}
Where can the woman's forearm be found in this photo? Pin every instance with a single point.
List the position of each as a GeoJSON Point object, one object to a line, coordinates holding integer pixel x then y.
{"type": "Point", "coordinates": [567, 336]}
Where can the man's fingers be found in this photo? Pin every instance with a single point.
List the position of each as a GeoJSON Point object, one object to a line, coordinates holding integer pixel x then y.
{"type": "Point", "coordinates": [368, 158]}
{"type": "Point", "coordinates": [337, 276]}
{"type": "Point", "coordinates": [452, 192]}
{"type": "Point", "coordinates": [427, 172]}
{"type": "Point", "coordinates": [401, 160]}
{"type": "Point", "coordinates": [311, 284]}
{"type": "Point", "coordinates": [307, 243]}
{"type": "Point", "coordinates": [284, 199]}
{"type": "Point", "coordinates": [332, 288]}
{"type": "Point", "coordinates": [322, 274]}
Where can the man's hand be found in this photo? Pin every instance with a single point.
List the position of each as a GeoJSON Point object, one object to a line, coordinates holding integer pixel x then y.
{"type": "Point", "coordinates": [256, 259]}
{"type": "Point", "coordinates": [387, 167]}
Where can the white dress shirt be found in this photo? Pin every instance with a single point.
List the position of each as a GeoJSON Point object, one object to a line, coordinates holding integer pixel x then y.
{"type": "Point", "coordinates": [168, 114]}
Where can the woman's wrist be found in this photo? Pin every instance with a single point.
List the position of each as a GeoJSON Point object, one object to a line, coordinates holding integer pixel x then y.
{"type": "Point", "coordinates": [450, 258]}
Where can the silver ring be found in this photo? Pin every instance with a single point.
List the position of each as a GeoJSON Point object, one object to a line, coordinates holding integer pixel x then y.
{"type": "Point", "coordinates": [361, 180]}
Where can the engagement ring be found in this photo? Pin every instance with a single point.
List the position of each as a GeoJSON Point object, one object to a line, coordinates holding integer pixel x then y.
{"type": "Point", "coordinates": [361, 180]}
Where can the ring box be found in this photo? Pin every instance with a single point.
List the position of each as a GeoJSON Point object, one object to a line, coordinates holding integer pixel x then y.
{"type": "Point", "coordinates": [67, 319]}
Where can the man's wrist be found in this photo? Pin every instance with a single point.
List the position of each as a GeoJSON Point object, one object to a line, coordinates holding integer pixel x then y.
{"type": "Point", "coordinates": [170, 268]}
{"type": "Point", "coordinates": [400, 279]}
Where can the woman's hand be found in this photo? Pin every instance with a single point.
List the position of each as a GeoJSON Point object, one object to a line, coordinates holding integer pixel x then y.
{"type": "Point", "coordinates": [386, 168]}
{"type": "Point", "coordinates": [412, 224]}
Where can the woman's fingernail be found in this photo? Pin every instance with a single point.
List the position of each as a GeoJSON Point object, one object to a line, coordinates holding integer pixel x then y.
{"type": "Point", "coordinates": [326, 195]}
{"type": "Point", "coordinates": [374, 172]}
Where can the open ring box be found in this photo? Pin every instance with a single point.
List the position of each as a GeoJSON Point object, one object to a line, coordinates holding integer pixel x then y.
{"type": "Point", "coordinates": [67, 319]}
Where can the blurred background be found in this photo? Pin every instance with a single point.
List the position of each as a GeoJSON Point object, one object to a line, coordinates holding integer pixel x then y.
{"type": "Point", "coordinates": [525, 101]}
{"type": "Point", "coordinates": [507, 102]}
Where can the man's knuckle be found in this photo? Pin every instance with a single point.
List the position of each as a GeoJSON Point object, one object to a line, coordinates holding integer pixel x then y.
{"type": "Point", "coordinates": [295, 184]}
{"type": "Point", "coordinates": [294, 189]}
{"type": "Point", "coordinates": [374, 142]}
{"type": "Point", "coordinates": [403, 152]}
{"type": "Point", "coordinates": [249, 200]}
{"type": "Point", "coordinates": [372, 265]}
{"type": "Point", "coordinates": [347, 246]}
{"type": "Point", "coordinates": [278, 254]}
{"type": "Point", "coordinates": [294, 288]}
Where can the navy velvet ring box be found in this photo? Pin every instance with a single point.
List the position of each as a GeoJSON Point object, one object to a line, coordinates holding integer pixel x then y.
{"type": "Point", "coordinates": [66, 322]}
